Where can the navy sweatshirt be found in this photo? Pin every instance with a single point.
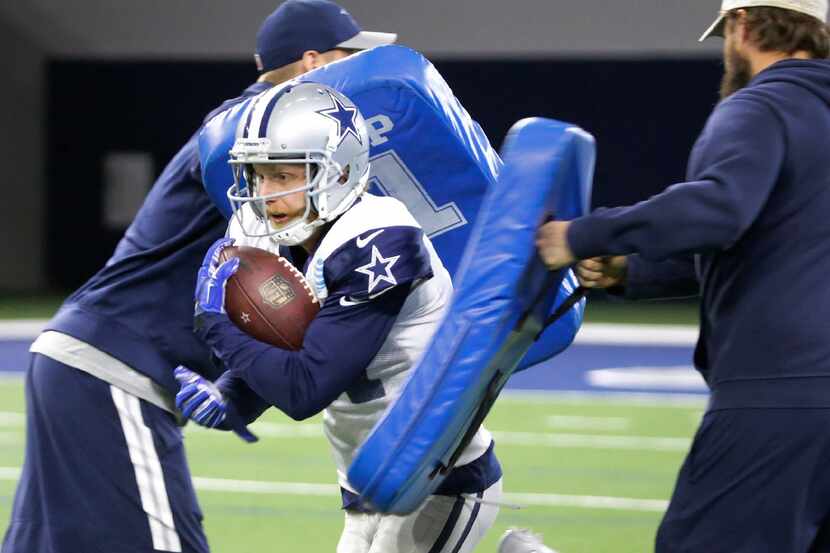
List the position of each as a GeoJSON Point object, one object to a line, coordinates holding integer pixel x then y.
{"type": "Point", "coordinates": [139, 306]}
{"type": "Point", "coordinates": [755, 214]}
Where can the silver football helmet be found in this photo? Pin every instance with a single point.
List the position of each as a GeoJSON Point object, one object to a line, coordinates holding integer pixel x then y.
{"type": "Point", "coordinates": [309, 124]}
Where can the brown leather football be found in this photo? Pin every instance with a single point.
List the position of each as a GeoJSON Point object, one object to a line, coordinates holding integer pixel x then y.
{"type": "Point", "coordinates": [268, 298]}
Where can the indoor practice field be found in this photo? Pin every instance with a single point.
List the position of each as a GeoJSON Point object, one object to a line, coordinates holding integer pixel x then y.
{"type": "Point", "coordinates": [589, 463]}
{"type": "Point", "coordinates": [366, 215]}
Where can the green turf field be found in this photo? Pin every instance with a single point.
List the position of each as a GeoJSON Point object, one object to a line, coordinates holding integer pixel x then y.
{"type": "Point", "coordinates": [583, 463]}
{"type": "Point", "coordinates": [15, 306]}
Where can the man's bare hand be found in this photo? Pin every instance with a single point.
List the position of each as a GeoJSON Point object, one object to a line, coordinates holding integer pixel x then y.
{"type": "Point", "coordinates": [602, 272]}
{"type": "Point", "coordinates": [552, 243]}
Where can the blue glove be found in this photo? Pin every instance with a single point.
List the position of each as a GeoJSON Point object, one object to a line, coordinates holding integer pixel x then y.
{"type": "Point", "coordinates": [201, 401]}
{"type": "Point", "coordinates": [213, 277]}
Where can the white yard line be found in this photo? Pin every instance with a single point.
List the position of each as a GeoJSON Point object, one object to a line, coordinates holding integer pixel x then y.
{"type": "Point", "coordinates": [12, 419]}
{"type": "Point", "coordinates": [225, 485]}
{"type": "Point", "coordinates": [259, 487]}
{"type": "Point", "coordinates": [21, 329]}
{"type": "Point", "coordinates": [672, 377]}
{"type": "Point", "coordinates": [588, 501]}
{"type": "Point", "coordinates": [634, 334]}
{"type": "Point", "coordinates": [587, 423]}
{"type": "Point", "coordinates": [9, 473]}
{"type": "Point", "coordinates": [627, 399]}
{"type": "Point", "coordinates": [591, 333]}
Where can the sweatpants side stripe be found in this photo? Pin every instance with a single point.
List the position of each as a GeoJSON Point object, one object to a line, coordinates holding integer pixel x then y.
{"type": "Point", "coordinates": [148, 473]}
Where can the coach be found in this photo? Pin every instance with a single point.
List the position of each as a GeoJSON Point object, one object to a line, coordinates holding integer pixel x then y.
{"type": "Point", "coordinates": [751, 231]}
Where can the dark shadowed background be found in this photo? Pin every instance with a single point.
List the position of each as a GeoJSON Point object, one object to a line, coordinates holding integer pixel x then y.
{"type": "Point", "coordinates": [96, 96]}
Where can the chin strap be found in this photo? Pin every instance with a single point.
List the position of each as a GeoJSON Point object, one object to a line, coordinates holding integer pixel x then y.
{"type": "Point", "coordinates": [294, 237]}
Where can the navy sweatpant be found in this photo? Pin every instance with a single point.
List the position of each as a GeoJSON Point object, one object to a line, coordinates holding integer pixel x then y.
{"type": "Point", "coordinates": [103, 472]}
{"type": "Point", "coordinates": [754, 481]}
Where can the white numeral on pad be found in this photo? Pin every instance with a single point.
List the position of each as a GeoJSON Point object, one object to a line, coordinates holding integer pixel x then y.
{"type": "Point", "coordinates": [393, 178]}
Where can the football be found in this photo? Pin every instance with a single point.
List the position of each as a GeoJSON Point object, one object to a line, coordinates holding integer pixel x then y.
{"type": "Point", "coordinates": [268, 298]}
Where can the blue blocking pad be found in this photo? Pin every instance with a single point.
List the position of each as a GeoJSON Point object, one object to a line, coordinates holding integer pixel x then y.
{"type": "Point", "coordinates": [574, 202]}
{"type": "Point", "coordinates": [503, 295]}
{"type": "Point", "coordinates": [425, 148]}
{"type": "Point", "coordinates": [215, 142]}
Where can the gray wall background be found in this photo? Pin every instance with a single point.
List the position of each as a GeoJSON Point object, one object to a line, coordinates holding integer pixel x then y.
{"type": "Point", "coordinates": [35, 31]}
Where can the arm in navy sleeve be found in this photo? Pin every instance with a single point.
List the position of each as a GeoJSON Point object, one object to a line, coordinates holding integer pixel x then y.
{"type": "Point", "coordinates": [338, 346]}
{"type": "Point", "coordinates": [675, 277]}
{"type": "Point", "coordinates": [734, 167]}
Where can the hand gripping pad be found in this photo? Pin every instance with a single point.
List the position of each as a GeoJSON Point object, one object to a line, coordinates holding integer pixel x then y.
{"type": "Point", "coordinates": [503, 294]}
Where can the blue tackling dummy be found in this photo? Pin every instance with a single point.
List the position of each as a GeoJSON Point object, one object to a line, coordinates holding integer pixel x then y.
{"type": "Point", "coordinates": [503, 294]}
{"type": "Point", "coordinates": [405, 101]}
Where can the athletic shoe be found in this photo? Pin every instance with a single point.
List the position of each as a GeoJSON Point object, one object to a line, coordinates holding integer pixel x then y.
{"type": "Point", "coordinates": [522, 540]}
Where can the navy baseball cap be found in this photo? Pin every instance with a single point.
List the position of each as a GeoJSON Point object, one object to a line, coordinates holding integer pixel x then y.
{"type": "Point", "coordinates": [300, 25]}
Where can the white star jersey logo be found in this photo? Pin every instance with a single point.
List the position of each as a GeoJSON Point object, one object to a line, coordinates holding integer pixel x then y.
{"type": "Point", "coordinates": [245, 317]}
{"type": "Point", "coordinates": [383, 273]}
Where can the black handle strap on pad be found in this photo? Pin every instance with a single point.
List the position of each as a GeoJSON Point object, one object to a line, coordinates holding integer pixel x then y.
{"type": "Point", "coordinates": [574, 298]}
{"type": "Point", "coordinates": [501, 376]}
{"type": "Point", "coordinates": [493, 389]}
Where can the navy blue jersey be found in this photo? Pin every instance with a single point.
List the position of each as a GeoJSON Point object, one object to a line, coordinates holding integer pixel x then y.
{"type": "Point", "coordinates": [139, 306]}
{"type": "Point", "coordinates": [754, 213]}
{"type": "Point", "coordinates": [362, 273]}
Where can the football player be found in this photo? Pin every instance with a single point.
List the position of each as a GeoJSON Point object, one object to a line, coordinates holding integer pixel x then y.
{"type": "Point", "coordinates": [301, 170]}
{"type": "Point", "coordinates": [105, 468]}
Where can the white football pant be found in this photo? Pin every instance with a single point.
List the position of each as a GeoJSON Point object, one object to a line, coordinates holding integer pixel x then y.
{"type": "Point", "coordinates": [443, 524]}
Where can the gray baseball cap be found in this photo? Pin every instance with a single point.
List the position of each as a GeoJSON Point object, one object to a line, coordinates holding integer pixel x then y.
{"type": "Point", "coordinates": [815, 8]}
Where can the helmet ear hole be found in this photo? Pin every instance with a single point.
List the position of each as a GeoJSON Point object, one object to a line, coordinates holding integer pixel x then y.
{"type": "Point", "coordinates": [249, 177]}
{"type": "Point", "coordinates": [344, 176]}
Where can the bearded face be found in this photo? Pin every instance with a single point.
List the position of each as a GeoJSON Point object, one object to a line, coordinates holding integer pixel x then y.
{"type": "Point", "coordinates": [737, 69]}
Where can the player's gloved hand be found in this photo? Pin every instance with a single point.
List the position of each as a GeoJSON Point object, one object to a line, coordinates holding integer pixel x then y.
{"type": "Point", "coordinates": [213, 277]}
{"type": "Point", "coordinates": [201, 401]}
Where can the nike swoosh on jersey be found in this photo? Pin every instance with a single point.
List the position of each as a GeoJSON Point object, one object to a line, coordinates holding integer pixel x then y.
{"type": "Point", "coordinates": [346, 302]}
{"type": "Point", "coordinates": [362, 242]}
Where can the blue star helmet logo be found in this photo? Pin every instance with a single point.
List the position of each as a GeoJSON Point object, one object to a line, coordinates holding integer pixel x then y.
{"type": "Point", "coordinates": [345, 118]}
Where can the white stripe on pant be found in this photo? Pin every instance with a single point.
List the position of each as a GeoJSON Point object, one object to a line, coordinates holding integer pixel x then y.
{"type": "Point", "coordinates": [148, 474]}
